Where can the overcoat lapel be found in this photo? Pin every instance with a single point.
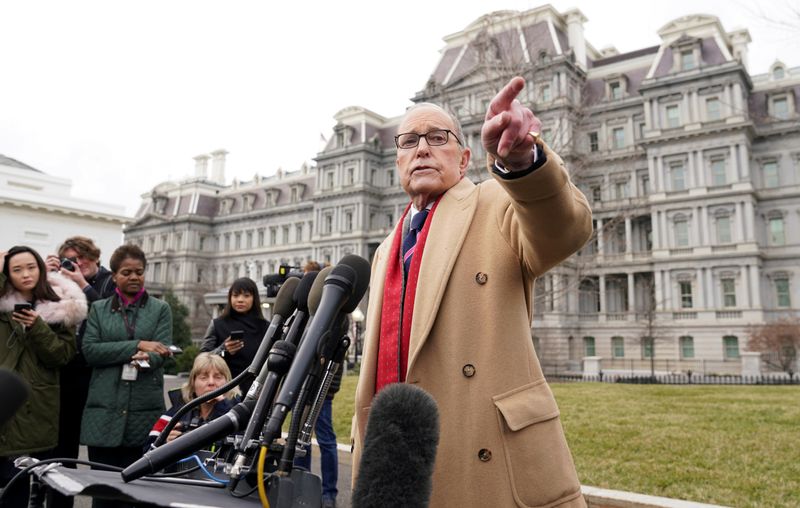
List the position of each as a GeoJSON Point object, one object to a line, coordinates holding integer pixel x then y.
{"type": "Point", "coordinates": [446, 235]}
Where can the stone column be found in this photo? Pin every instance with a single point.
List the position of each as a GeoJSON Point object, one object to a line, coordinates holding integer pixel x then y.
{"type": "Point", "coordinates": [660, 174]}
{"type": "Point", "coordinates": [651, 172]}
{"type": "Point", "coordinates": [602, 294]}
{"type": "Point", "coordinates": [755, 286]}
{"type": "Point", "coordinates": [740, 233]}
{"type": "Point", "coordinates": [737, 99]}
{"type": "Point", "coordinates": [631, 293]}
{"type": "Point", "coordinates": [701, 304]}
{"type": "Point", "coordinates": [749, 217]}
{"type": "Point", "coordinates": [727, 101]}
{"type": "Point", "coordinates": [711, 301]}
{"type": "Point", "coordinates": [628, 236]}
{"type": "Point", "coordinates": [648, 120]}
{"type": "Point", "coordinates": [599, 229]}
{"type": "Point", "coordinates": [695, 237]}
{"type": "Point", "coordinates": [745, 162]}
{"type": "Point", "coordinates": [706, 226]}
{"type": "Point", "coordinates": [658, 278]}
{"type": "Point", "coordinates": [668, 303]}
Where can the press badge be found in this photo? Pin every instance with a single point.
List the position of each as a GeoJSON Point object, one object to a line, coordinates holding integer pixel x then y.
{"type": "Point", "coordinates": [129, 372]}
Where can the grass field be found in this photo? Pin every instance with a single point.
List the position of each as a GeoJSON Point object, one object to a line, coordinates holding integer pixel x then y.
{"type": "Point", "coordinates": [730, 445]}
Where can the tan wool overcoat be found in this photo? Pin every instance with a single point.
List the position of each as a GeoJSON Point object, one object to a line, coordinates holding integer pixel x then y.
{"type": "Point", "coordinates": [501, 441]}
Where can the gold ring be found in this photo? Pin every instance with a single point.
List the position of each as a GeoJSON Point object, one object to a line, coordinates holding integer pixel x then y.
{"type": "Point", "coordinates": [535, 136]}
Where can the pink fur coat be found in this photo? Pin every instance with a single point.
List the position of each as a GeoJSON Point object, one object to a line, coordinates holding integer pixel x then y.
{"type": "Point", "coordinates": [70, 311]}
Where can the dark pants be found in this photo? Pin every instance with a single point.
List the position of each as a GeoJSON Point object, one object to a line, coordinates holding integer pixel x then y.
{"type": "Point", "coordinates": [120, 456]}
{"type": "Point", "coordinates": [74, 390]}
{"type": "Point", "coordinates": [329, 455]}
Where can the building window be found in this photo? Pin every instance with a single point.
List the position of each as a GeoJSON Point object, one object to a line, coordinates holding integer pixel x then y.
{"type": "Point", "coordinates": [546, 96]}
{"type": "Point", "coordinates": [260, 237]}
{"type": "Point", "coordinates": [327, 223]}
{"type": "Point", "coordinates": [597, 194]}
{"type": "Point", "coordinates": [681, 233]}
{"type": "Point", "coordinates": [298, 233]}
{"type": "Point", "coordinates": [724, 230]}
{"type": "Point", "coordinates": [777, 235]}
{"type": "Point", "coordinates": [348, 221]}
{"type": "Point", "coordinates": [329, 180]}
{"type": "Point", "coordinates": [644, 185]}
{"type": "Point", "coordinates": [617, 347]}
{"type": "Point", "coordinates": [615, 90]}
{"type": "Point", "coordinates": [713, 111]}
{"type": "Point", "coordinates": [588, 346]}
{"type": "Point", "coordinates": [647, 347]}
{"type": "Point", "coordinates": [618, 135]}
{"type": "Point", "coordinates": [249, 240]}
{"type": "Point", "coordinates": [621, 189]}
{"type": "Point", "coordinates": [730, 344]}
{"type": "Point", "coordinates": [687, 60]}
{"type": "Point", "coordinates": [391, 178]}
{"type": "Point", "coordinates": [780, 108]}
{"type": "Point", "coordinates": [677, 174]}
{"type": "Point", "coordinates": [157, 272]}
{"type": "Point", "coordinates": [285, 235]}
{"type": "Point", "coordinates": [782, 295]}
{"type": "Point", "coordinates": [718, 176]}
{"type": "Point", "coordinates": [778, 72]}
{"type": "Point", "coordinates": [687, 346]}
{"type": "Point", "coordinates": [686, 294]}
{"type": "Point", "coordinates": [728, 292]}
{"type": "Point", "coordinates": [350, 176]}
{"type": "Point", "coordinates": [771, 174]}
{"type": "Point", "coordinates": [673, 117]}
{"type": "Point", "coordinates": [295, 195]}
{"type": "Point", "coordinates": [273, 236]}
{"type": "Point", "coordinates": [593, 143]}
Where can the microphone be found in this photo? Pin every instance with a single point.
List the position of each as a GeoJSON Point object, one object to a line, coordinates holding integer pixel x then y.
{"type": "Point", "coordinates": [284, 306]}
{"type": "Point", "coordinates": [399, 450]}
{"type": "Point", "coordinates": [341, 292]}
{"type": "Point", "coordinates": [163, 456]}
{"type": "Point", "coordinates": [14, 392]}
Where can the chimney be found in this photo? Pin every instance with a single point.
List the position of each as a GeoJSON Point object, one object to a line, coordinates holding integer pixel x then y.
{"type": "Point", "coordinates": [575, 20]}
{"type": "Point", "coordinates": [201, 166]}
{"type": "Point", "coordinates": [739, 40]}
{"type": "Point", "coordinates": [218, 166]}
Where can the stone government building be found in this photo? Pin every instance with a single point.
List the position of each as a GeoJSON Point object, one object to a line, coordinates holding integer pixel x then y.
{"type": "Point", "coordinates": [692, 165]}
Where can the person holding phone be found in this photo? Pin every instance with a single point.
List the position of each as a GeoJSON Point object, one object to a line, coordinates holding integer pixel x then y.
{"type": "Point", "coordinates": [39, 311]}
{"type": "Point", "coordinates": [126, 343]}
{"type": "Point", "coordinates": [237, 332]}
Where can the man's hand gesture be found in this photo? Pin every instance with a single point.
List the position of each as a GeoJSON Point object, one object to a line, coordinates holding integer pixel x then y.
{"type": "Point", "coordinates": [509, 129]}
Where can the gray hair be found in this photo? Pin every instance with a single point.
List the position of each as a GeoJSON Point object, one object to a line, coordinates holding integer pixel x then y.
{"type": "Point", "coordinates": [456, 124]}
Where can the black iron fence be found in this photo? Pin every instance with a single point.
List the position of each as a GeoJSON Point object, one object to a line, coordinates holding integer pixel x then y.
{"type": "Point", "coordinates": [678, 379]}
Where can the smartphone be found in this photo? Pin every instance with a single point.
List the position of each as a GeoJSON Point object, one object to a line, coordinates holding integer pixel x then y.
{"type": "Point", "coordinates": [175, 350]}
{"type": "Point", "coordinates": [237, 334]}
{"type": "Point", "coordinates": [19, 307]}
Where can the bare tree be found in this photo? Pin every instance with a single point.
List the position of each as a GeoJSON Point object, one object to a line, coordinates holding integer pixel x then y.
{"type": "Point", "coordinates": [779, 341]}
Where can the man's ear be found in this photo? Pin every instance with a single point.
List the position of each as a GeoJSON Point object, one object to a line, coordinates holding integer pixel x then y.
{"type": "Point", "coordinates": [466, 154]}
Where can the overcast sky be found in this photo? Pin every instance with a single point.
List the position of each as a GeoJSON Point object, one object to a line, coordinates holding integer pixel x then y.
{"type": "Point", "coordinates": [119, 96]}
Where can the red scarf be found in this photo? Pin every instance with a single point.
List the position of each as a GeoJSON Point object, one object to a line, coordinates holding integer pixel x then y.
{"type": "Point", "coordinates": [392, 369]}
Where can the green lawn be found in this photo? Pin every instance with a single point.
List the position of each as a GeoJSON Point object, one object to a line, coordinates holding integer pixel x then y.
{"type": "Point", "coordinates": [731, 445]}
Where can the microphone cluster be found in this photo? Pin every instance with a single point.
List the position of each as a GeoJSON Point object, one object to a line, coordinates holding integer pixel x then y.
{"type": "Point", "coordinates": [302, 349]}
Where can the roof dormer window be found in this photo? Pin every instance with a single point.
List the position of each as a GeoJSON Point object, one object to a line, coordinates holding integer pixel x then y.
{"type": "Point", "coordinates": [687, 60]}
{"type": "Point", "coordinates": [616, 87]}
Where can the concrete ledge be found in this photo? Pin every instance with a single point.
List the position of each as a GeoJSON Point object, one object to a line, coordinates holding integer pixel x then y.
{"type": "Point", "coordinates": [605, 498]}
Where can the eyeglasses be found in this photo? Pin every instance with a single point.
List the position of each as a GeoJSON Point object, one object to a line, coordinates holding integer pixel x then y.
{"type": "Point", "coordinates": [436, 137]}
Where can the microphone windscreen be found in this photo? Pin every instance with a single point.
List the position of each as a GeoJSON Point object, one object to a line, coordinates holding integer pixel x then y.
{"type": "Point", "coordinates": [14, 392]}
{"type": "Point", "coordinates": [315, 295]}
{"type": "Point", "coordinates": [399, 449]}
{"type": "Point", "coordinates": [362, 268]}
{"type": "Point", "coordinates": [303, 289]}
{"type": "Point", "coordinates": [284, 301]}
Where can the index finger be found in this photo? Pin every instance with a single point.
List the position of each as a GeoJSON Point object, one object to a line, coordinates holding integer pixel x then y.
{"type": "Point", "coordinates": [502, 101]}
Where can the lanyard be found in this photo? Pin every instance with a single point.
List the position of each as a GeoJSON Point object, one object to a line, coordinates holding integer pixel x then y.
{"type": "Point", "coordinates": [130, 327]}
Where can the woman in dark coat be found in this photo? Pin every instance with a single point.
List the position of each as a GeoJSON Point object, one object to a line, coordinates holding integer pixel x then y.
{"type": "Point", "coordinates": [241, 314]}
{"type": "Point", "coordinates": [126, 342]}
{"type": "Point", "coordinates": [34, 343]}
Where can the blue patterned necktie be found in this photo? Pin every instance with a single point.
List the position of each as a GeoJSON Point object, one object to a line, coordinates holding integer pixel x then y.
{"type": "Point", "coordinates": [410, 241]}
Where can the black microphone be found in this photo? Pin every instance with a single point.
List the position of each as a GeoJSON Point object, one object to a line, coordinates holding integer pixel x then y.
{"type": "Point", "coordinates": [14, 392]}
{"type": "Point", "coordinates": [341, 292]}
{"type": "Point", "coordinates": [399, 450]}
{"type": "Point", "coordinates": [163, 456]}
{"type": "Point", "coordinates": [284, 306]}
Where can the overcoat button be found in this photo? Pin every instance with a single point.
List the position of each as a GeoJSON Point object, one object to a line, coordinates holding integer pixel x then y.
{"type": "Point", "coordinates": [481, 278]}
{"type": "Point", "coordinates": [485, 455]}
{"type": "Point", "coordinates": [468, 370]}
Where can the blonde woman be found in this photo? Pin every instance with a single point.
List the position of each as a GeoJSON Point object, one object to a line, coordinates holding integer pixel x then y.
{"type": "Point", "coordinates": [209, 372]}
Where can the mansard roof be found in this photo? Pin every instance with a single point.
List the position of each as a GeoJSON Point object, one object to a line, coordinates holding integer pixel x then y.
{"type": "Point", "coordinates": [14, 163]}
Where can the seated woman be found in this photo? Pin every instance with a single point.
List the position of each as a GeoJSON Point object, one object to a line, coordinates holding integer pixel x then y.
{"type": "Point", "coordinates": [237, 333]}
{"type": "Point", "coordinates": [209, 372]}
{"type": "Point", "coordinates": [38, 314]}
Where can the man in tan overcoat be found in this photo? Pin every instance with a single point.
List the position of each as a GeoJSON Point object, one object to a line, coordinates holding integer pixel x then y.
{"type": "Point", "coordinates": [461, 330]}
